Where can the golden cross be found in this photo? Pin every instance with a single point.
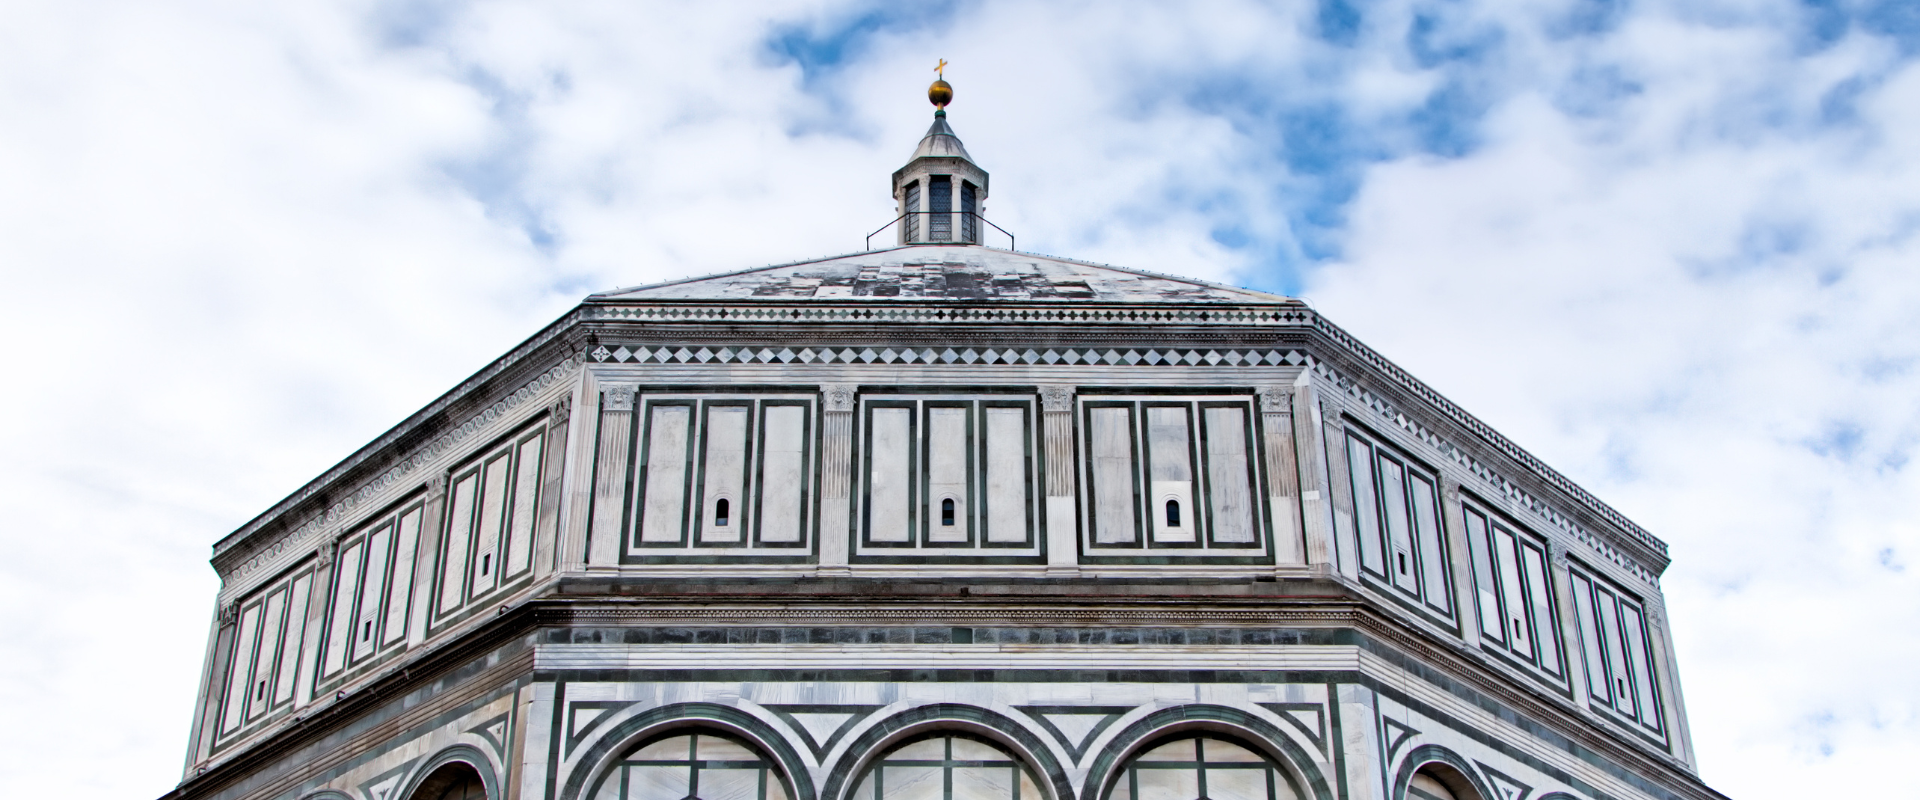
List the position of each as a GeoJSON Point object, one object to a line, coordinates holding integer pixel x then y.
{"type": "Point", "coordinates": [942, 69]}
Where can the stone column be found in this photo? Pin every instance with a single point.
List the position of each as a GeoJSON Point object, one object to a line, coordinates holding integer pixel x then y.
{"type": "Point", "coordinates": [1562, 587]}
{"type": "Point", "coordinates": [206, 723]}
{"type": "Point", "coordinates": [1283, 476]}
{"type": "Point", "coordinates": [553, 468]}
{"type": "Point", "coordinates": [1063, 529]}
{"type": "Point", "coordinates": [426, 560]}
{"type": "Point", "coordinates": [317, 602]}
{"type": "Point", "coordinates": [1453, 522]}
{"type": "Point", "coordinates": [1316, 506]}
{"type": "Point", "coordinates": [613, 460]}
{"type": "Point", "coordinates": [836, 477]}
{"type": "Point", "coordinates": [1673, 703]}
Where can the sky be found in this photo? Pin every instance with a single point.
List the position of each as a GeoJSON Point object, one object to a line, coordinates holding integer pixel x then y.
{"type": "Point", "coordinates": [1669, 247]}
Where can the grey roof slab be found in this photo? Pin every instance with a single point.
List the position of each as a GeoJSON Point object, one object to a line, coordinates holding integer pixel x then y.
{"type": "Point", "coordinates": [946, 273]}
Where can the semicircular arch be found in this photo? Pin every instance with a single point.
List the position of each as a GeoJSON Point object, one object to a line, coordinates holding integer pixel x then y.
{"type": "Point", "coordinates": [1454, 772]}
{"type": "Point", "coordinates": [691, 717]}
{"type": "Point", "coordinates": [1167, 723]}
{"type": "Point", "coordinates": [1021, 741]}
{"type": "Point", "coordinates": [437, 767]}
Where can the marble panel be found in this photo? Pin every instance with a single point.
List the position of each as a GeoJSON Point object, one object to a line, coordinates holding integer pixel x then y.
{"type": "Point", "coordinates": [890, 449]}
{"type": "Point", "coordinates": [783, 473]}
{"type": "Point", "coordinates": [723, 474]}
{"type": "Point", "coordinates": [485, 571]}
{"type": "Point", "coordinates": [372, 590]}
{"type": "Point", "coordinates": [1170, 467]}
{"type": "Point", "coordinates": [291, 645]}
{"type": "Point", "coordinates": [663, 510]}
{"type": "Point", "coordinates": [1111, 448]}
{"type": "Point", "coordinates": [459, 541]}
{"type": "Point", "coordinates": [1229, 476]}
{"type": "Point", "coordinates": [400, 588]}
{"type": "Point", "coordinates": [526, 494]}
{"type": "Point", "coordinates": [948, 450]}
{"type": "Point", "coordinates": [1009, 495]}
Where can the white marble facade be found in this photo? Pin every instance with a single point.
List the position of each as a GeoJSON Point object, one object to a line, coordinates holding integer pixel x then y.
{"type": "Point", "coordinates": [940, 522]}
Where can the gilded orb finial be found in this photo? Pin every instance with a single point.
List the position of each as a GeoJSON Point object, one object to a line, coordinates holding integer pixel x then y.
{"type": "Point", "coordinates": [941, 92]}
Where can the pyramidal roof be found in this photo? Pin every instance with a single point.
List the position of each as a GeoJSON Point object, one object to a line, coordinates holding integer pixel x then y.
{"type": "Point", "coordinates": [941, 140]}
{"type": "Point", "coordinates": [936, 273]}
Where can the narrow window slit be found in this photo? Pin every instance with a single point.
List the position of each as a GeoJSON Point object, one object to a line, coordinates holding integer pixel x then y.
{"type": "Point", "coordinates": [486, 562]}
{"type": "Point", "coordinates": [367, 631]}
{"type": "Point", "coordinates": [946, 512]}
{"type": "Point", "coordinates": [721, 510]}
{"type": "Point", "coordinates": [1403, 563]}
{"type": "Point", "coordinates": [1173, 513]}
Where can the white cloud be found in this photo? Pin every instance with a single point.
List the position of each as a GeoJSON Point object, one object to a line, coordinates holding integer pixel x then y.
{"type": "Point", "coordinates": [241, 240]}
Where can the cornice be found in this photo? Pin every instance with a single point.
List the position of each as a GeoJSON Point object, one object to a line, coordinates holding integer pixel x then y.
{"type": "Point", "coordinates": [1313, 612]}
{"type": "Point", "coordinates": [1618, 531]}
{"type": "Point", "coordinates": [310, 505]}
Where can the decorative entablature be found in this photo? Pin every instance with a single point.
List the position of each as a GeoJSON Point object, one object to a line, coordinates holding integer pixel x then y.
{"type": "Point", "coordinates": [1456, 414]}
{"type": "Point", "coordinates": [877, 311]}
{"type": "Point", "coordinates": [240, 567]}
{"type": "Point", "coordinates": [1498, 485]}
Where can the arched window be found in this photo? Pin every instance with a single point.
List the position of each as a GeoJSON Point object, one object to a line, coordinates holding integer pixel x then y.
{"type": "Point", "coordinates": [1426, 787]}
{"type": "Point", "coordinates": [721, 509]}
{"type": "Point", "coordinates": [946, 512]}
{"type": "Point", "coordinates": [1202, 768]}
{"type": "Point", "coordinates": [451, 781]}
{"type": "Point", "coordinates": [1173, 513]}
{"type": "Point", "coordinates": [695, 766]}
{"type": "Point", "coordinates": [948, 767]}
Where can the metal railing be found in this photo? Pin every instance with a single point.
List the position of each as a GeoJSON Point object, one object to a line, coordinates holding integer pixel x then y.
{"type": "Point", "coordinates": [967, 217]}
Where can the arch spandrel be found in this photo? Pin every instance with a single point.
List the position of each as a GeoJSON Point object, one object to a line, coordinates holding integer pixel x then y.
{"type": "Point", "coordinates": [603, 757]}
{"type": "Point", "coordinates": [1230, 724]}
{"type": "Point", "coordinates": [1017, 738]}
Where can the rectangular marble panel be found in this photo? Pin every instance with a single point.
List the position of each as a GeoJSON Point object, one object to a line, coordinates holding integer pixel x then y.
{"type": "Point", "coordinates": [1009, 492]}
{"type": "Point", "coordinates": [273, 622]}
{"type": "Point", "coordinates": [1433, 548]}
{"type": "Point", "coordinates": [1170, 467]}
{"type": "Point", "coordinates": [1616, 653]}
{"type": "Point", "coordinates": [723, 475]}
{"type": "Point", "coordinates": [372, 591]}
{"type": "Point", "coordinates": [1402, 568]}
{"type": "Point", "coordinates": [291, 643]}
{"type": "Point", "coordinates": [783, 472]}
{"type": "Point", "coordinates": [1639, 667]}
{"type": "Point", "coordinates": [1506, 559]}
{"type": "Point", "coordinates": [1538, 599]}
{"type": "Point", "coordinates": [458, 543]}
{"type": "Point", "coordinates": [526, 496]}
{"type": "Point", "coordinates": [346, 578]}
{"type": "Point", "coordinates": [1589, 623]}
{"type": "Point", "coordinates": [1486, 590]}
{"type": "Point", "coordinates": [1229, 476]}
{"type": "Point", "coordinates": [1366, 512]}
{"type": "Point", "coordinates": [948, 450]}
{"type": "Point", "coordinates": [239, 682]}
{"type": "Point", "coordinates": [663, 512]}
{"type": "Point", "coordinates": [406, 544]}
{"type": "Point", "coordinates": [1110, 442]}
{"type": "Point", "coordinates": [492, 517]}
{"type": "Point", "coordinates": [889, 485]}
